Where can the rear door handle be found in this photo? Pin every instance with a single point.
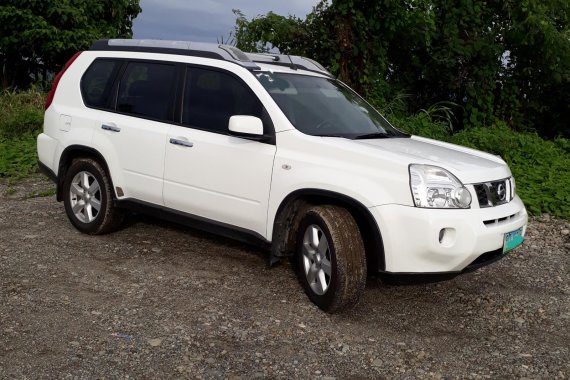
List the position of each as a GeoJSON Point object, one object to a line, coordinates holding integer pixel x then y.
{"type": "Point", "coordinates": [111, 128]}
{"type": "Point", "coordinates": [183, 143]}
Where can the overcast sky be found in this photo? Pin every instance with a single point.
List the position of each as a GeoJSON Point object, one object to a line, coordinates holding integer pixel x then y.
{"type": "Point", "coordinates": [205, 20]}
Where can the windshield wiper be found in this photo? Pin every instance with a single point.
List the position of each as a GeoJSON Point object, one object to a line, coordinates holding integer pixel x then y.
{"type": "Point", "coordinates": [331, 135]}
{"type": "Point", "coordinates": [373, 135]}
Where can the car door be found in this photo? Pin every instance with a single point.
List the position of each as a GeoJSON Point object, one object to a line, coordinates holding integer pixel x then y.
{"type": "Point", "coordinates": [135, 134]}
{"type": "Point", "coordinates": [208, 172]}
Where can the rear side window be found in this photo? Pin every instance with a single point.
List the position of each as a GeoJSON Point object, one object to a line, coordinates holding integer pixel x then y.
{"type": "Point", "coordinates": [211, 97]}
{"type": "Point", "coordinates": [147, 90]}
{"type": "Point", "coordinates": [97, 83]}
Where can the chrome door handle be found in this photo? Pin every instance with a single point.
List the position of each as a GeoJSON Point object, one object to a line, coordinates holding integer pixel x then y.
{"type": "Point", "coordinates": [184, 143]}
{"type": "Point", "coordinates": [111, 128]}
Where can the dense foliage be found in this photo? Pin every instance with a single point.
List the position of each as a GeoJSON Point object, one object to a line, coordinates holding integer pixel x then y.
{"type": "Point", "coordinates": [38, 36]}
{"type": "Point", "coordinates": [497, 61]}
{"type": "Point", "coordinates": [21, 118]}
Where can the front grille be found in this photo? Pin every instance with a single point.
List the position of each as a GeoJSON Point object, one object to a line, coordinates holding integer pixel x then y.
{"type": "Point", "coordinates": [494, 222]}
{"type": "Point", "coordinates": [494, 193]}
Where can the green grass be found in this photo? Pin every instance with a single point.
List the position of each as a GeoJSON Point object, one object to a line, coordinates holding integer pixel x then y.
{"type": "Point", "coordinates": [41, 194]}
{"type": "Point", "coordinates": [21, 113]}
{"type": "Point", "coordinates": [18, 157]}
{"type": "Point", "coordinates": [21, 118]}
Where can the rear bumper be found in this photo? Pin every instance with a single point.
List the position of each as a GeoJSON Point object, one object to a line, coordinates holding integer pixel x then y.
{"type": "Point", "coordinates": [47, 172]}
{"type": "Point", "coordinates": [472, 238]}
{"type": "Point", "coordinates": [47, 147]}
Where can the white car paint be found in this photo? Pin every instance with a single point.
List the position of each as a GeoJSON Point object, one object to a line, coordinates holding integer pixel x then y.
{"type": "Point", "coordinates": [242, 183]}
{"type": "Point", "coordinates": [221, 177]}
{"type": "Point", "coordinates": [138, 149]}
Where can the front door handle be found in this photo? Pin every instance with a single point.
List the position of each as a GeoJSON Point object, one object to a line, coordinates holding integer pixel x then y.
{"type": "Point", "coordinates": [183, 143]}
{"type": "Point", "coordinates": [111, 128]}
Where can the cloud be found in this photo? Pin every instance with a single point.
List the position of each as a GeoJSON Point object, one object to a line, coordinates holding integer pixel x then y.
{"type": "Point", "coordinates": [205, 20]}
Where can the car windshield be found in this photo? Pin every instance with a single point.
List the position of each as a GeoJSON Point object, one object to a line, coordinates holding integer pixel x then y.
{"type": "Point", "coordinates": [325, 107]}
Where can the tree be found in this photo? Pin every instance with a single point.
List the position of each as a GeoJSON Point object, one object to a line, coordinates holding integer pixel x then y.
{"type": "Point", "coordinates": [39, 36]}
{"type": "Point", "coordinates": [536, 93]}
{"type": "Point", "coordinates": [350, 36]}
{"type": "Point", "coordinates": [507, 60]}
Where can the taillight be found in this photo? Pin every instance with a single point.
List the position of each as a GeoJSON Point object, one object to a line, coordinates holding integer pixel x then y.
{"type": "Point", "coordinates": [57, 78]}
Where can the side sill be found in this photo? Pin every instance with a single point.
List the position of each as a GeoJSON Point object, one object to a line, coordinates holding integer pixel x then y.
{"type": "Point", "coordinates": [47, 172]}
{"type": "Point", "coordinates": [411, 278]}
{"type": "Point", "coordinates": [194, 221]}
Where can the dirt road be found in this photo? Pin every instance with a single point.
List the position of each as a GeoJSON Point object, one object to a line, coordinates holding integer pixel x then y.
{"type": "Point", "coordinates": [159, 301]}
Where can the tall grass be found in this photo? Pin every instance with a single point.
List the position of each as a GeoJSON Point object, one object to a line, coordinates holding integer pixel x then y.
{"type": "Point", "coordinates": [21, 119]}
{"type": "Point", "coordinates": [21, 113]}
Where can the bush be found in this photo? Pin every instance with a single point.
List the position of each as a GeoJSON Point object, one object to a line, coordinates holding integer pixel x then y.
{"type": "Point", "coordinates": [21, 119]}
{"type": "Point", "coordinates": [21, 113]}
{"type": "Point", "coordinates": [421, 125]}
{"type": "Point", "coordinates": [540, 167]}
{"type": "Point", "coordinates": [18, 156]}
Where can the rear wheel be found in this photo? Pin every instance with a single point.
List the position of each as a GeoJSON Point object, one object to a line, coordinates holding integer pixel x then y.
{"type": "Point", "coordinates": [88, 198]}
{"type": "Point", "coordinates": [331, 261]}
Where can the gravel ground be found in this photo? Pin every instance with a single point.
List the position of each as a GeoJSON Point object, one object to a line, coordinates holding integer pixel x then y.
{"type": "Point", "coordinates": [160, 301]}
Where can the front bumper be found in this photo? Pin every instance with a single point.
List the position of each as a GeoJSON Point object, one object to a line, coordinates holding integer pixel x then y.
{"type": "Point", "coordinates": [413, 245]}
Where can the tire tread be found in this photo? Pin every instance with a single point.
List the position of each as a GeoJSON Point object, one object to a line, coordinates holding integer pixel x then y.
{"type": "Point", "coordinates": [350, 256]}
{"type": "Point", "coordinates": [112, 216]}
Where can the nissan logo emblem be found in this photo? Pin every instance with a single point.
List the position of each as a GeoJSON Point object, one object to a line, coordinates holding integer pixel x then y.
{"type": "Point", "coordinates": [501, 192]}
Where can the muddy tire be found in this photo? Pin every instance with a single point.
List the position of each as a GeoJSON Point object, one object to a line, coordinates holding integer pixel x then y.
{"type": "Point", "coordinates": [88, 198]}
{"type": "Point", "coordinates": [331, 261]}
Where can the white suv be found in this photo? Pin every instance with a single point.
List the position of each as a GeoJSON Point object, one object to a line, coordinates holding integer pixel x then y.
{"type": "Point", "coordinates": [270, 149]}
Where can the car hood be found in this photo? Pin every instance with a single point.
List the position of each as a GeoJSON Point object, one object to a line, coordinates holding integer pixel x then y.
{"type": "Point", "coordinates": [468, 165]}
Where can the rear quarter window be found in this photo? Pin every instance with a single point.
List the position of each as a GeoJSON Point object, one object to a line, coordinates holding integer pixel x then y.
{"type": "Point", "coordinates": [97, 83]}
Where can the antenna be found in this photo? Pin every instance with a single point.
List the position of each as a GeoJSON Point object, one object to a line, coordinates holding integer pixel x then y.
{"type": "Point", "coordinates": [293, 66]}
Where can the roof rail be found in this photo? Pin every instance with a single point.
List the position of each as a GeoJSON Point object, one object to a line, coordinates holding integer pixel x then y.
{"type": "Point", "coordinates": [292, 61]}
{"type": "Point", "coordinates": [210, 50]}
{"type": "Point", "coordinates": [195, 49]}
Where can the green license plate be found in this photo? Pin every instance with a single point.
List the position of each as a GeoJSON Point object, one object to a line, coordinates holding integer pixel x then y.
{"type": "Point", "coordinates": [513, 240]}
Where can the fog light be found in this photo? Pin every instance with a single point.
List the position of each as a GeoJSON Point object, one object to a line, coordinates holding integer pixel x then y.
{"type": "Point", "coordinates": [447, 237]}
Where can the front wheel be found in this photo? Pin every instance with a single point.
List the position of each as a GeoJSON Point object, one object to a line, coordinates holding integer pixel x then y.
{"type": "Point", "coordinates": [88, 198]}
{"type": "Point", "coordinates": [331, 261]}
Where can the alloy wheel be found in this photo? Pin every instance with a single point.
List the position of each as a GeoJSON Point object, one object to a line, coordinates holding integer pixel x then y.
{"type": "Point", "coordinates": [317, 259]}
{"type": "Point", "coordinates": [85, 196]}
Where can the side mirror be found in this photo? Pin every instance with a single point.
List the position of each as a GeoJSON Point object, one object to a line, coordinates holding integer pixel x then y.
{"type": "Point", "coordinates": [246, 126]}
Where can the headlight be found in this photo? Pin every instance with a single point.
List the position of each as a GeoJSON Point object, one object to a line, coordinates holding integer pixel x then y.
{"type": "Point", "coordinates": [434, 187]}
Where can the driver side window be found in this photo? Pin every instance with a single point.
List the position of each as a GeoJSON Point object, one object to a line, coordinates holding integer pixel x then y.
{"type": "Point", "coordinates": [211, 97]}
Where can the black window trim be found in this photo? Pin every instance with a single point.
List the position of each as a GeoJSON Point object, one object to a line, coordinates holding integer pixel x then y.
{"type": "Point", "coordinates": [171, 101]}
{"type": "Point", "coordinates": [112, 103]}
{"type": "Point", "coordinates": [178, 98]}
{"type": "Point", "coordinates": [269, 137]}
{"type": "Point", "coordinates": [118, 74]}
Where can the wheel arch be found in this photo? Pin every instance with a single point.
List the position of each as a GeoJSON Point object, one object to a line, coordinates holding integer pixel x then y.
{"type": "Point", "coordinates": [68, 155]}
{"type": "Point", "coordinates": [292, 207]}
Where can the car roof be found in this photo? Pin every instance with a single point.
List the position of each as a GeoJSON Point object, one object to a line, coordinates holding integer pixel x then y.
{"type": "Point", "coordinates": [251, 61]}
